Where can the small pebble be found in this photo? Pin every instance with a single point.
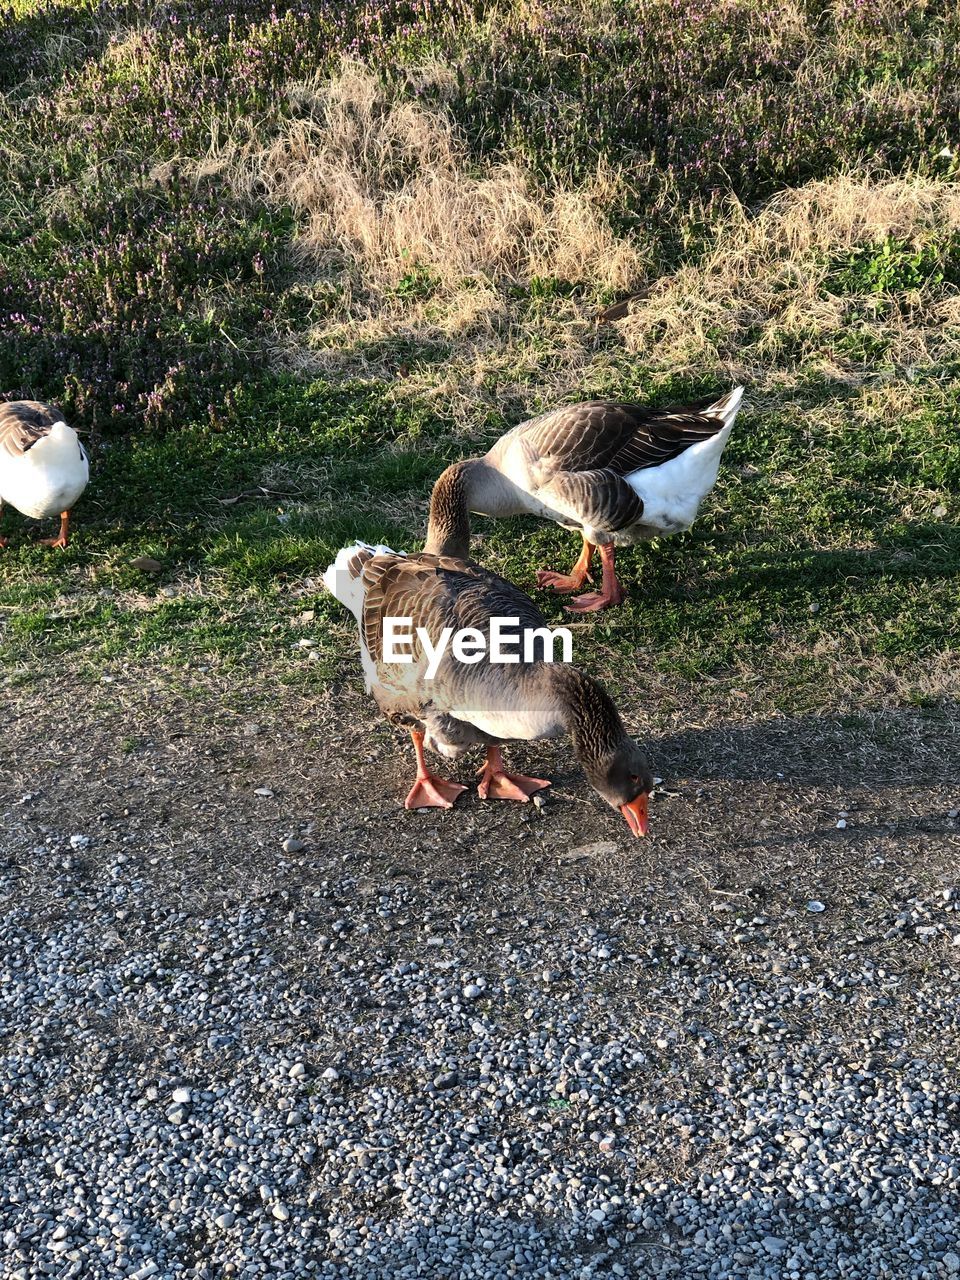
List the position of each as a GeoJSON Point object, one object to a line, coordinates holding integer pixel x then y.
{"type": "Point", "coordinates": [146, 564]}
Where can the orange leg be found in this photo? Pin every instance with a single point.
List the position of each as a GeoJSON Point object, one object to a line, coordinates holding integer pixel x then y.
{"type": "Point", "coordinates": [3, 541]}
{"type": "Point", "coordinates": [63, 537]}
{"type": "Point", "coordinates": [572, 581]}
{"type": "Point", "coordinates": [429, 791]}
{"type": "Point", "coordinates": [610, 591]}
{"type": "Point", "coordinates": [497, 784]}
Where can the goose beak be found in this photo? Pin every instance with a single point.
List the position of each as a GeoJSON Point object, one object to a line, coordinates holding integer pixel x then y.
{"type": "Point", "coordinates": [636, 815]}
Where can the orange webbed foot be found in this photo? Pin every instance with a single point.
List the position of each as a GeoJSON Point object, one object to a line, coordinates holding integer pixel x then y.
{"type": "Point", "coordinates": [431, 792]}
{"type": "Point", "coordinates": [574, 580]}
{"type": "Point", "coordinates": [497, 784]}
{"type": "Point", "coordinates": [610, 591]}
{"type": "Point", "coordinates": [562, 582]}
{"type": "Point", "coordinates": [595, 600]}
{"type": "Point", "coordinates": [510, 786]}
{"type": "Point", "coordinates": [63, 537]}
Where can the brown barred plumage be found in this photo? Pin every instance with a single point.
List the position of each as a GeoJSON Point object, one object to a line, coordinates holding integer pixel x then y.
{"type": "Point", "coordinates": [24, 422]}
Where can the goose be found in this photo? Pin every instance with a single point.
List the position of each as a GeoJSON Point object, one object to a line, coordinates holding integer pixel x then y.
{"type": "Point", "coordinates": [43, 466]}
{"type": "Point", "coordinates": [616, 473]}
{"type": "Point", "coordinates": [478, 703]}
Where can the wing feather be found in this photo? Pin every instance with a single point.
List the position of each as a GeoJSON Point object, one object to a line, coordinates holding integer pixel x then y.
{"type": "Point", "coordinates": [436, 592]}
{"type": "Point", "coordinates": [663, 438]}
{"type": "Point", "coordinates": [23, 423]}
{"type": "Point", "coordinates": [598, 499]}
{"type": "Point", "coordinates": [624, 437]}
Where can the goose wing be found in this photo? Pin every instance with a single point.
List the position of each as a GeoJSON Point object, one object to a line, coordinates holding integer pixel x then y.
{"type": "Point", "coordinates": [396, 587]}
{"type": "Point", "coordinates": [463, 703]}
{"type": "Point", "coordinates": [599, 499]}
{"type": "Point", "coordinates": [436, 592]}
{"type": "Point", "coordinates": [23, 423]}
{"type": "Point", "coordinates": [580, 437]}
{"type": "Point", "coordinates": [661, 438]}
{"type": "Point", "coordinates": [623, 437]}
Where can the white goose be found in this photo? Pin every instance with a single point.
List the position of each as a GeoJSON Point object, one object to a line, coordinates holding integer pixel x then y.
{"type": "Point", "coordinates": [616, 473]}
{"type": "Point", "coordinates": [43, 466]}
{"type": "Point", "coordinates": [478, 703]}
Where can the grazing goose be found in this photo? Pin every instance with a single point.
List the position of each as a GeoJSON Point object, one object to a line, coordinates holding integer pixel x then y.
{"type": "Point", "coordinates": [616, 473]}
{"type": "Point", "coordinates": [478, 703]}
{"type": "Point", "coordinates": [43, 466]}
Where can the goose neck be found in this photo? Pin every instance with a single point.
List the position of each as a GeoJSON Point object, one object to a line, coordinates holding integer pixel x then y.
{"type": "Point", "coordinates": [448, 530]}
{"type": "Point", "coordinates": [591, 719]}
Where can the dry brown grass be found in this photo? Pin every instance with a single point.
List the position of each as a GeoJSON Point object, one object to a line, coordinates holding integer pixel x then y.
{"type": "Point", "coordinates": [758, 298]}
{"type": "Point", "coordinates": [424, 247]}
{"type": "Point", "coordinates": [384, 185]}
{"type": "Point", "coordinates": [405, 245]}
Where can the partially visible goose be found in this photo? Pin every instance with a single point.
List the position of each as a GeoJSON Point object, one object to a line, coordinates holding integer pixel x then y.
{"type": "Point", "coordinates": [616, 473]}
{"type": "Point", "coordinates": [43, 466]}
{"type": "Point", "coordinates": [482, 703]}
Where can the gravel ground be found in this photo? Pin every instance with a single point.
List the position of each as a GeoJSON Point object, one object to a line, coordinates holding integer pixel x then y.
{"type": "Point", "coordinates": [257, 1021]}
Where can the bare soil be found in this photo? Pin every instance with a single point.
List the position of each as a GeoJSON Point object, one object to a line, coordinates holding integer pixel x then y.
{"type": "Point", "coordinates": [171, 762]}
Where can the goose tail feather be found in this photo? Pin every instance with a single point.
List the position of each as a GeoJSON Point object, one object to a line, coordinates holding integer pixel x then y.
{"type": "Point", "coordinates": [344, 577]}
{"type": "Point", "coordinates": [727, 407]}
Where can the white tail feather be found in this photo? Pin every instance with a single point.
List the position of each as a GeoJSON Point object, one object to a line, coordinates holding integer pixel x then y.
{"type": "Point", "coordinates": [343, 578]}
{"type": "Point", "coordinates": [727, 407]}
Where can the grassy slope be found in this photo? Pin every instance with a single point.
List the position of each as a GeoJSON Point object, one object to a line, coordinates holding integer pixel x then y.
{"type": "Point", "coordinates": [827, 562]}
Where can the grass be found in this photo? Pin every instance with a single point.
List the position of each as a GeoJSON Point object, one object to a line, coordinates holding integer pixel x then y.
{"type": "Point", "coordinates": [282, 267]}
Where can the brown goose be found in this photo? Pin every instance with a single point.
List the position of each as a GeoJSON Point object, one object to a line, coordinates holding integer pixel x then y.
{"type": "Point", "coordinates": [476, 702]}
{"type": "Point", "coordinates": [616, 473]}
{"type": "Point", "coordinates": [43, 466]}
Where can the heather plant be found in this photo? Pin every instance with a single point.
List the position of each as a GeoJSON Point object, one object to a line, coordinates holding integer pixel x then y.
{"type": "Point", "coordinates": [681, 103]}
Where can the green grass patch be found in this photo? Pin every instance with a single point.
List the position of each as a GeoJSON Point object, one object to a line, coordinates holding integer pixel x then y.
{"type": "Point", "coordinates": [804, 545]}
{"type": "Point", "coordinates": [894, 266]}
{"type": "Point", "coordinates": [152, 303]}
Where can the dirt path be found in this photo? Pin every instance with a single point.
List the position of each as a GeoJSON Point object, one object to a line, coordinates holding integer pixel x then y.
{"type": "Point", "coordinates": [433, 1043]}
{"type": "Point", "coordinates": [176, 761]}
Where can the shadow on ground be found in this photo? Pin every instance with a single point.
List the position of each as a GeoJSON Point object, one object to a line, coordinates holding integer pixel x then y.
{"type": "Point", "coordinates": [869, 748]}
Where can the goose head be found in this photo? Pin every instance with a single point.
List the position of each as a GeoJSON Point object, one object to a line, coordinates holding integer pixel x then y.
{"type": "Point", "coordinates": [623, 778]}
{"type": "Point", "coordinates": [614, 765]}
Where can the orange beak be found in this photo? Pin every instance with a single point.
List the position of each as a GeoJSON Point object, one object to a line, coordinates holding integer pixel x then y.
{"type": "Point", "coordinates": [636, 814]}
